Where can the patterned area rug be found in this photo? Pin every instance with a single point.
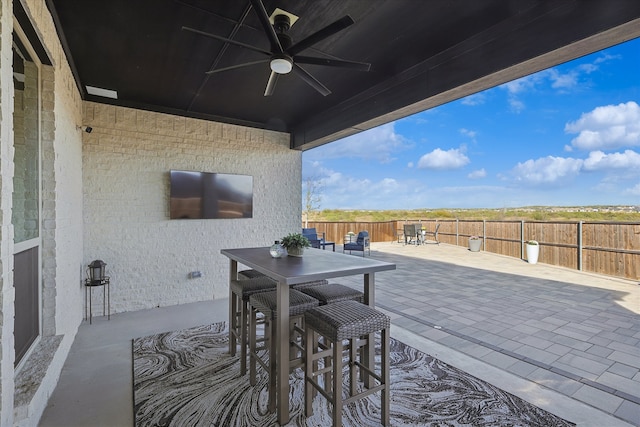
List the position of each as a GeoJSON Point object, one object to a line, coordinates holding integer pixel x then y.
{"type": "Point", "coordinates": [187, 378]}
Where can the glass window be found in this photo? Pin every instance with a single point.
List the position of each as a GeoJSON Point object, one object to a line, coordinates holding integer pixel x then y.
{"type": "Point", "coordinates": [26, 118]}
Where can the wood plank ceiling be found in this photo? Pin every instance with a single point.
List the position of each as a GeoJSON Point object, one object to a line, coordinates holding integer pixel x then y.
{"type": "Point", "coordinates": [422, 54]}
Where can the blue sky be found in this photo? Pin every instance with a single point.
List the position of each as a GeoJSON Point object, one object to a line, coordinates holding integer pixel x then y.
{"type": "Point", "coordinates": [565, 136]}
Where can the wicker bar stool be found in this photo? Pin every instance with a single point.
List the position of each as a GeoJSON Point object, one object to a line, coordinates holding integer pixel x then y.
{"type": "Point", "coordinates": [241, 290]}
{"type": "Point", "coordinates": [345, 320]}
{"type": "Point", "coordinates": [250, 274]}
{"type": "Point", "coordinates": [332, 293]}
{"type": "Point", "coordinates": [266, 303]}
{"type": "Point", "coordinates": [301, 286]}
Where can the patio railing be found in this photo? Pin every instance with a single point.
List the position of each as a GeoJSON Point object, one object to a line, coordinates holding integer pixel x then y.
{"type": "Point", "coordinates": [610, 248]}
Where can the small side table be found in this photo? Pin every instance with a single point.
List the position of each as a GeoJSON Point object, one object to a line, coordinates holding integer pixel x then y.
{"type": "Point", "coordinates": [325, 244]}
{"type": "Point", "coordinates": [106, 296]}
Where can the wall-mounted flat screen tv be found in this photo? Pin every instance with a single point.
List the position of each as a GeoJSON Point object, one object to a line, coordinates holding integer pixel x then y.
{"type": "Point", "coordinates": [206, 195]}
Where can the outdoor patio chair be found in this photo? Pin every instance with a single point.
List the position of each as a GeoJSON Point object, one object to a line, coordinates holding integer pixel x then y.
{"type": "Point", "coordinates": [433, 233]}
{"type": "Point", "coordinates": [362, 243]}
{"type": "Point", "coordinates": [312, 235]}
{"type": "Point", "coordinates": [411, 234]}
{"type": "Point", "coordinates": [316, 240]}
{"type": "Point", "coordinates": [400, 235]}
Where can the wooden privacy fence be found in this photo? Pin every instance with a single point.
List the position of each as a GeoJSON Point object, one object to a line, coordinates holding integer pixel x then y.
{"type": "Point", "coordinates": [610, 248]}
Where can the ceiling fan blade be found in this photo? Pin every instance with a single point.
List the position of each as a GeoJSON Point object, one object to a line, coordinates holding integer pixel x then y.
{"type": "Point", "coordinates": [320, 35]}
{"type": "Point", "coordinates": [360, 66]}
{"type": "Point", "coordinates": [271, 84]}
{"type": "Point", "coordinates": [310, 80]}
{"type": "Point", "coordinates": [266, 24]}
{"type": "Point", "coordinates": [223, 39]}
{"type": "Point", "coordinates": [233, 67]}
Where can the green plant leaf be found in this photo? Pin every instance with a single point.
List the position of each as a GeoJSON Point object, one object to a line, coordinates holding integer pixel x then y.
{"type": "Point", "coordinates": [295, 240]}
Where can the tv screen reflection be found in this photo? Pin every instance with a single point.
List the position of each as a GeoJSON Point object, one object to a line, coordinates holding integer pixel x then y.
{"type": "Point", "coordinates": [205, 195]}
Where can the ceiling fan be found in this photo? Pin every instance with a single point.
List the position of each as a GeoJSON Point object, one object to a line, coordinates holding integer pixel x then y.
{"type": "Point", "coordinates": [283, 56]}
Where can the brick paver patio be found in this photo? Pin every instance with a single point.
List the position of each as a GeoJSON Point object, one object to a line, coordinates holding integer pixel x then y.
{"type": "Point", "coordinates": [573, 332]}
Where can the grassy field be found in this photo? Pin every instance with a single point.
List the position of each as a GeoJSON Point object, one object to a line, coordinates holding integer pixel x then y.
{"type": "Point", "coordinates": [533, 213]}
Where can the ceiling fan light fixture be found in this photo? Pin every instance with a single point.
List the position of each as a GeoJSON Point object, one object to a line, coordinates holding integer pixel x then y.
{"type": "Point", "coordinates": [281, 65]}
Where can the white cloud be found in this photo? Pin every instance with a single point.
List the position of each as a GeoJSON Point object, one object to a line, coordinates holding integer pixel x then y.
{"type": "Point", "coordinates": [607, 127]}
{"type": "Point", "coordinates": [470, 133]}
{"type": "Point", "coordinates": [516, 105]}
{"type": "Point", "coordinates": [587, 68]}
{"type": "Point", "coordinates": [388, 184]}
{"type": "Point", "coordinates": [605, 57]}
{"type": "Point", "coordinates": [381, 144]}
{"type": "Point", "coordinates": [558, 171]}
{"type": "Point", "coordinates": [315, 170]}
{"type": "Point", "coordinates": [441, 160]}
{"type": "Point", "coordinates": [598, 160]}
{"type": "Point", "coordinates": [633, 191]}
{"type": "Point", "coordinates": [344, 191]}
{"type": "Point", "coordinates": [477, 174]}
{"type": "Point", "coordinates": [347, 185]}
{"type": "Point", "coordinates": [547, 170]}
{"type": "Point", "coordinates": [522, 84]}
{"type": "Point", "coordinates": [562, 81]}
{"type": "Point", "coordinates": [517, 87]}
{"type": "Point", "coordinates": [574, 78]}
{"type": "Point", "coordinates": [473, 100]}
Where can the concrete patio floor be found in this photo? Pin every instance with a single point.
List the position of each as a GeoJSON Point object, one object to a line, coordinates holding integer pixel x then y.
{"type": "Point", "coordinates": [563, 340]}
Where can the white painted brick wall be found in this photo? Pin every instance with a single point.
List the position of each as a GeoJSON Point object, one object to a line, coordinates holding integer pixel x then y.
{"type": "Point", "coordinates": [62, 182]}
{"type": "Point", "coordinates": [62, 207]}
{"type": "Point", "coordinates": [126, 164]}
{"type": "Point", "coordinates": [7, 294]}
{"type": "Point", "coordinates": [120, 178]}
{"type": "Point", "coordinates": [67, 170]}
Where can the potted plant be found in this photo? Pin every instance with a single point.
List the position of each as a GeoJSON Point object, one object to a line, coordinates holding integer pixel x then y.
{"type": "Point", "coordinates": [350, 237]}
{"type": "Point", "coordinates": [533, 250]}
{"type": "Point", "coordinates": [295, 243]}
{"type": "Point", "coordinates": [474, 243]}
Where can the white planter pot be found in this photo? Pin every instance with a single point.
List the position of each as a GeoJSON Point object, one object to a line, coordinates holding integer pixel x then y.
{"type": "Point", "coordinates": [532, 253]}
{"type": "Point", "coordinates": [295, 252]}
{"type": "Point", "coordinates": [474, 245]}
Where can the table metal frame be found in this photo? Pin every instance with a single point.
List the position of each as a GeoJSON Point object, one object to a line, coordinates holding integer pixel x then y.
{"type": "Point", "coordinates": [325, 244]}
{"type": "Point", "coordinates": [316, 264]}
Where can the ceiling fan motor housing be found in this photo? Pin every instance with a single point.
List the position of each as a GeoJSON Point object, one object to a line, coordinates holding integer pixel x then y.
{"type": "Point", "coordinates": [281, 23]}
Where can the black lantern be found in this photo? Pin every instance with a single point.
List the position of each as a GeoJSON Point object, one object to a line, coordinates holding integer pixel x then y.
{"type": "Point", "coordinates": [95, 278]}
{"type": "Point", "coordinates": [96, 272]}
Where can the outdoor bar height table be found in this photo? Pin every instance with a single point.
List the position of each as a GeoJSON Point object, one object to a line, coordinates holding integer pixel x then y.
{"type": "Point", "coordinates": [316, 264]}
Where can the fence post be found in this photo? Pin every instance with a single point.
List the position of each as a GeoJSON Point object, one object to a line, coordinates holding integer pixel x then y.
{"type": "Point", "coordinates": [522, 239]}
{"type": "Point", "coordinates": [484, 234]}
{"type": "Point", "coordinates": [457, 232]}
{"type": "Point", "coordinates": [580, 245]}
